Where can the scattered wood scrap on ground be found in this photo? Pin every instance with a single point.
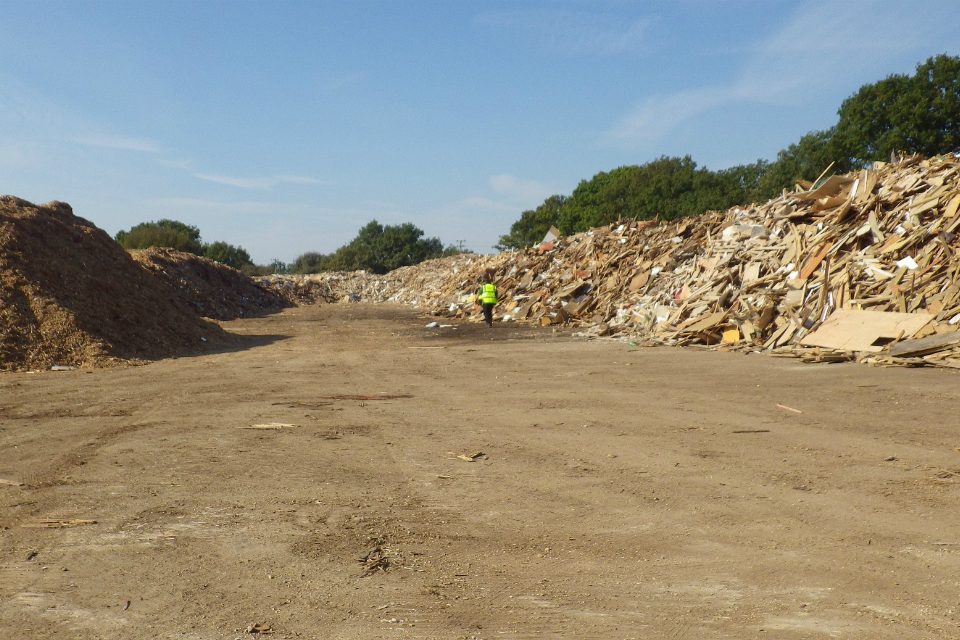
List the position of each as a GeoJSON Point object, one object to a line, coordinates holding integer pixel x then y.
{"type": "Point", "coordinates": [57, 523]}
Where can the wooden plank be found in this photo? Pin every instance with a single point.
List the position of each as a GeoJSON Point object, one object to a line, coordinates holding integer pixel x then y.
{"type": "Point", "coordinates": [923, 346]}
{"type": "Point", "coordinates": [951, 213]}
{"type": "Point", "coordinates": [831, 187]}
{"type": "Point", "coordinates": [814, 262]}
{"type": "Point", "coordinates": [707, 323]}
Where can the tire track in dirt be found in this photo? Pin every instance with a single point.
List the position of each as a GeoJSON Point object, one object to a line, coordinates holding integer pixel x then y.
{"type": "Point", "coordinates": [34, 498]}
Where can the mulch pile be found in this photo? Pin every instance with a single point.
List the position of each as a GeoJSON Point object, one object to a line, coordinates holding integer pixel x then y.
{"type": "Point", "coordinates": [71, 296]}
{"type": "Point", "coordinates": [211, 289]}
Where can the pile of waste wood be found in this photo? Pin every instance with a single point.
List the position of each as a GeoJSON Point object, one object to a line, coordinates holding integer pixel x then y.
{"type": "Point", "coordinates": [421, 284]}
{"type": "Point", "coordinates": [331, 287]}
{"type": "Point", "coordinates": [862, 267]}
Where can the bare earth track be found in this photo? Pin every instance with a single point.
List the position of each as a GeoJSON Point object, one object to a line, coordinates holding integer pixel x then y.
{"type": "Point", "coordinates": [518, 484]}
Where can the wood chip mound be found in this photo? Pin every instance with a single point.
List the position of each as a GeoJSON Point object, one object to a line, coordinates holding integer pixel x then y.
{"type": "Point", "coordinates": [211, 289]}
{"type": "Point", "coordinates": [71, 296]}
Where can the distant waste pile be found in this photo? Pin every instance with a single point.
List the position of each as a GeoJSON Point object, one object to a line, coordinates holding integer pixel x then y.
{"type": "Point", "coordinates": [71, 296]}
{"type": "Point", "coordinates": [211, 289]}
{"type": "Point", "coordinates": [862, 267]}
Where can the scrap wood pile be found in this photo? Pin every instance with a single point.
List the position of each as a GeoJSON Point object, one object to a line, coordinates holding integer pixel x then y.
{"type": "Point", "coordinates": [419, 284]}
{"type": "Point", "coordinates": [326, 287]}
{"type": "Point", "coordinates": [862, 267]}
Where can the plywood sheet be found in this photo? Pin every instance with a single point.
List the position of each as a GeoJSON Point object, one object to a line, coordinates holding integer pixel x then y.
{"type": "Point", "coordinates": [853, 330]}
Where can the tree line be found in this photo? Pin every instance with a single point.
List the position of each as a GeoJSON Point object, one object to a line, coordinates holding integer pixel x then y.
{"type": "Point", "coordinates": [173, 234]}
{"type": "Point", "coordinates": [917, 113]}
{"type": "Point", "coordinates": [376, 248]}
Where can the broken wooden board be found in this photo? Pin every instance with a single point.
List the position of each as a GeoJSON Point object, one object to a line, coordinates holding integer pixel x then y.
{"type": "Point", "coordinates": [706, 323]}
{"type": "Point", "coordinates": [56, 523]}
{"type": "Point", "coordinates": [360, 397]}
{"type": "Point", "coordinates": [854, 330]}
{"type": "Point", "coordinates": [269, 425]}
{"type": "Point", "coordinates": [924, 346]}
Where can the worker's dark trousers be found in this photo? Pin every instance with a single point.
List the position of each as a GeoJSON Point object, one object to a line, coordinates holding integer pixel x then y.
{"type": "Point", "coordinates": [488, 314]}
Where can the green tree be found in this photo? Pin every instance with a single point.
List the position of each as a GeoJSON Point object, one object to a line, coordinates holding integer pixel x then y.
{"type": "Point", "coordinates": [379, 249]}
{"type": "Point", "coordinates": [903, 114]}
{"type": "Point", "coordinates": [803, 160]}
{"type": "Point", "coordinates": [309, 262]}
{"type": "Point", "coordinates": [227, 254]}
{"type": "Point", "coordinates": [171, 234]}
{"type": "Point", "coordinates": [533, 224]}
{"type": "Point", "coordinates": [257, 270]}
{"type": "Point", "coordinates": [393, 246]}
{"type": "Point", "coordinates": [667, 188]}
{"type": "Point", "coordinates": [349, 257]}
{"type": "Point", "coordinates": [742, 183]}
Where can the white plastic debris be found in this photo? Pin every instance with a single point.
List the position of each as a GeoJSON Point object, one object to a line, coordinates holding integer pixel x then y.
{"type": "Point", "coordinates": [909, 263]}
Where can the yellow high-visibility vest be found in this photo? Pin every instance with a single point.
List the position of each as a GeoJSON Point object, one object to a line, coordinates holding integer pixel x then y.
{"type": "Point", "coordinates": [488, 294]}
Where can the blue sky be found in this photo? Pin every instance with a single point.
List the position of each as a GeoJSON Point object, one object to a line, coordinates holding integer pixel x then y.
{"type": "Point", "coordinates": [285, 126]}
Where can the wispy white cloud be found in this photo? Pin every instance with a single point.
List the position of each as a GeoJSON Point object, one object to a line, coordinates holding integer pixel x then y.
{"type": "Point", "coordinates": [292, 210]}
{"type": "Point", "coordinates": [478, 220]}
{"type": "Point", "coordinates": [212, 206]}
{"type": "Point", "coordinates": [828, 44]}
{"type": "Point", "coordinates": [183, 165]}
{"type": "Point", "coordinates": [519, 191]}
{"type": "Point", "coordinates": [298, 180]}
{"type": "Point", "coordinates": [16, 154]}
{"type": "Point", "coordinates": [120, 143]}
{"type": "Point", "coordinates": [30, 117]}
{"type": "Point", "coordinates": [571, 32]}
{"type": "Point", "coordinates": [654, 118]}
{"type": "Point", "coordinates": [256, 183]}
{"type": "Point", "coordinates": [480, 204]}
{"type": "Point", "coordinates": [242, 183]}
{"type": "Point", "coordinates": [824, 48]}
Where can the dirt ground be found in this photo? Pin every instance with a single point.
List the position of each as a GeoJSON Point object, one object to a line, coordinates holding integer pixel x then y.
{"type": "Point", "coordinates": [618, 492]}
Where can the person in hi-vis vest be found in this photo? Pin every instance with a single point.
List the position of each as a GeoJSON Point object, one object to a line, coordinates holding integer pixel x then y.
{"type": "Point", "coordinates": [487, 296]}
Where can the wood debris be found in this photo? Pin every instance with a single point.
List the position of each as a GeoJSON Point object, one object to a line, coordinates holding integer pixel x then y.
{"type": "Point", "coordinates": [57, 523]}
{"type": "Point", "coordinates": [859, 247]}
{"type": "Point", "coordinates": [374, 560]}
{"type": "Point", "coordinates": [362, 397]}
{"type": "Point", "coordinates": [270, 425]}
{"type": "Point", "coordinates": [783, 406]}
{"type": "Point", "coordinates": [470, 457]}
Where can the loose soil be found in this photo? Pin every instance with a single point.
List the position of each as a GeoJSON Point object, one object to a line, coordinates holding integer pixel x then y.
{"type": "Point", "coordinates": [518, 483]}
